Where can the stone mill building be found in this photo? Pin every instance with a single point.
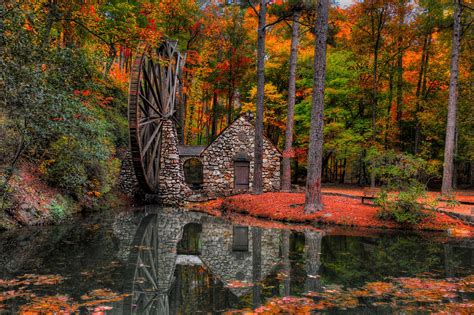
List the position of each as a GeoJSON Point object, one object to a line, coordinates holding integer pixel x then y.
{"type": "Point", "coordinates": [222, 168]}
{"type": "Point", "coordinates": [226, 165]}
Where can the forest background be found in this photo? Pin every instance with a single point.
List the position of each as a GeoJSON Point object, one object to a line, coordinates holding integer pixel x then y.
{"type": "Point", "coordinates": [65, 70]}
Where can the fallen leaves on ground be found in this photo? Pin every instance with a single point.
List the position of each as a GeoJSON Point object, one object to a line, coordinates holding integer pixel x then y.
{"type": "Point", "coordinates": [337, 210]}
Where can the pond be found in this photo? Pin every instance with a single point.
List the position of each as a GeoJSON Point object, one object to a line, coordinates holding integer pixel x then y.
{"type": "Point", "coordinates": [157, 261]}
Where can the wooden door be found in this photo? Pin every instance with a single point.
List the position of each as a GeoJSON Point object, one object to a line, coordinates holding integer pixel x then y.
{"type": "Point", "coordinates": [241, 175]}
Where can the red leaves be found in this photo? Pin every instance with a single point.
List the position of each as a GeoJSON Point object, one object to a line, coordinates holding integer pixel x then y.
{"type": "Point", "coordinates": [337, 210]}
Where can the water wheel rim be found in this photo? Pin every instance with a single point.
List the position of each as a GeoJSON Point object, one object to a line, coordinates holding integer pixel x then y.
{"type": "Point", "coordinates": [145, 124]}
{"type": "Point", "coordinates": [152, 97]}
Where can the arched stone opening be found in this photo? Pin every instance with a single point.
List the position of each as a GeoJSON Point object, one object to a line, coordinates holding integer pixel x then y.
{"type": "Point", "coordinates": [190, 243]}
{"type": "Point", "coordinates": [193, 173]}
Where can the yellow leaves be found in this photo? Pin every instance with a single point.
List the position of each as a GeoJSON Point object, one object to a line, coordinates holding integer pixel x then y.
{"type": "Point", "coordinates": [43, 167]}
{"type": "Point", "coordinates": [239, 284]}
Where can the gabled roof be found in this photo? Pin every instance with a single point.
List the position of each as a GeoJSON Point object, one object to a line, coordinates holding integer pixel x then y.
{"type": "Point", "coordinates": [247, 119]}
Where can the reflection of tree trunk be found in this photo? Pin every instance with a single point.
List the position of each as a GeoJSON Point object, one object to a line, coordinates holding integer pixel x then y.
{"type": "Point", "coordinates": [448, 263]}
{"type": "Point", "coordinates": [285, 252]}
{"type": "Point", "coordinates": [312, 249]}
{"type": "Point", "coordinates": [256, 266]}
{"type": "Point", "coordinates": [452, 106]}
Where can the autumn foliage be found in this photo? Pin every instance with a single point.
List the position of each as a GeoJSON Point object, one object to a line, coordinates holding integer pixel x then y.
{"type": "Point", "coordinates": [338, 210]}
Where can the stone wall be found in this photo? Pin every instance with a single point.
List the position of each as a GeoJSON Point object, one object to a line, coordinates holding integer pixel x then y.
{"type": "Point", "coordinates": [173, 190]}
{"type": "Point", "coordinates": [128, 183]}
{"type": "Point", "coordinates": [218, 159]}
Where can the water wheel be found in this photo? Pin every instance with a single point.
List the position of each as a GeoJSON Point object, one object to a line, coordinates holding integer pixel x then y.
{"type": "Point", "coordinates": [154, 89]}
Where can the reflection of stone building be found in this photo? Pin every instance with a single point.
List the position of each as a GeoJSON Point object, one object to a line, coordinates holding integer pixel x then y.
{"type": "Point", "coordinates": [217, 249]}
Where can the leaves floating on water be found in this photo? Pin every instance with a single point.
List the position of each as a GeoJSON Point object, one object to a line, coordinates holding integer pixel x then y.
{"type": "Point", "coordinates": [62, 304]}
{"type": "Point", "coordinates": [444, 296]}
{"type": "Point", "coordinates": [31, 279]}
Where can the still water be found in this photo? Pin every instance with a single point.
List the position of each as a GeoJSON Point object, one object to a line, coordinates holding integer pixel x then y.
{"type": "Point", "coordinates": [174, 262]}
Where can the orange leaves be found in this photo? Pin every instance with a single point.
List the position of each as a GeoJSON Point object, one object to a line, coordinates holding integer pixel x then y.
{"type": "Point", "coordinates": [31, 279]}
{"type": "Point", "coordinates": [239, 284]}
{"type": "Point", "coordinates": [401, 294]}
{"type": "Point", "coordinates": [28, 27]}
{"type": "Point", "coordinates": [339, 210]}
{"type": "Point", "coordinates": [55, 304]}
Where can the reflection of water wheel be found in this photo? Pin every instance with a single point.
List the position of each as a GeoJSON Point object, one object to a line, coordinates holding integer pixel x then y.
{"type": "Point", "coordinates": [154, 86]}
{"type": "Point", "coordinates": [145, 294]}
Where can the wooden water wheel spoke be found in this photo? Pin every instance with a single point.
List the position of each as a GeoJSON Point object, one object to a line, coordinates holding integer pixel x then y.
{"type": "Point", "coordinates": [150, 86]}
{"type": "Point", "coordinates": [152, 100]}
{"type": "Point", "coordinates": [156, 133]}
{"type": "Point", "coordinates": [147, 273]}
{"type": "Point", "coordinates": [155, 81]}
{"type": "Point", "coordinates": [145, 100]}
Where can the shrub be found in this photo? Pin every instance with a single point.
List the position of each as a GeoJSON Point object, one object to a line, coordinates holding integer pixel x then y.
{"type": "Point", "coordinates": [60, 209]}
{"type": "Point", "coordinates": [403, 207]}
{"type": "Point", "coordinates": [404, 179]}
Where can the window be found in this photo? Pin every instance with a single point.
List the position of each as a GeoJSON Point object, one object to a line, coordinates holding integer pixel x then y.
{"type": "Point", "coordinates": [240, 239]}
{"type": "Point", "coordinates": [193, 172]}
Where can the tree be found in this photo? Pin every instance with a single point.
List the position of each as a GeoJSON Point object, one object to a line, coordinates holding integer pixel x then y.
{"type": "Point", "coordinates": [313, 181]}
{"type": "Point", "coordinates": [447, 185]}
{"type": "Point", "coordinates": [288, 151]}
{"type": "Point", "coordinates": [258, 155]}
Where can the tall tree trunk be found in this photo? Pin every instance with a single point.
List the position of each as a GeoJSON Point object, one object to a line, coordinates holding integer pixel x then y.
{"type": "Point", "coordinates": [230, 103]}
{"type": "Point", "coordinates": [452, 104]}
{"type": "Point", "coordinates": [258, 156]}
{"type": "Point", "coordinates": [315, 154]}
{"type": "Point", "coordinates": [419, 93]}
{"type": "Point", "coordinates": [214, 116]}
{"type": "Point", "coordinates": [288, 151]}
{"type": "Point", "coordinates": [377, 38]}
{"type": "Point", "coordinates": [50, 18]}
{"type": "Point", "coordinates": [110, 61]}
{"type": "Point", "coordinates": [400, 70]}
{"type": "Point", "coordinates": [389, 106]}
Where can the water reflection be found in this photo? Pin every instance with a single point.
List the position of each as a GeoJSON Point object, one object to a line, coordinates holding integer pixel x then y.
{"type": "Point", "coordinates": [175, 262]}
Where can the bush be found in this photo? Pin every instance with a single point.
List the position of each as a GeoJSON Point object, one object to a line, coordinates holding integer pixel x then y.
{"type": "Point", "coordinates": [60, 209]}
{"type": "Point", "coordinates": [403, 207]}
{"type": "Point", "coordinates": [404, 179]}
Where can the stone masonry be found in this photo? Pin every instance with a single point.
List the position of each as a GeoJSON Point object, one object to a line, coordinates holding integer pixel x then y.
{"type": "Point", "coordinates": [173, 190]}
{"type": "Point", "coordinates": [238, 140]}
